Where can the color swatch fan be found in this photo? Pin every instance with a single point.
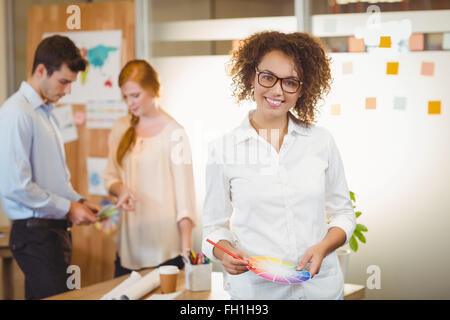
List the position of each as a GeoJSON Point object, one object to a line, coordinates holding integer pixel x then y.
{"type": "Point", "coordinates": [277, 270]}
{"type": "Point", "coordinates": [271, 269]}
{"type": "Point", "coordinates": [110, 219]}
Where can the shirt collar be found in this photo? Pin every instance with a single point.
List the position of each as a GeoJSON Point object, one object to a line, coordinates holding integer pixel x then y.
{"type": "Point", "coordinates": [246, 130]}
{"type": "Point", "coordinates": [33, 97]}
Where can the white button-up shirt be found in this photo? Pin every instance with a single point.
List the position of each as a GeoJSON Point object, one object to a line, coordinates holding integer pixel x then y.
{"type": "Point", "coordinates": [277, 205]}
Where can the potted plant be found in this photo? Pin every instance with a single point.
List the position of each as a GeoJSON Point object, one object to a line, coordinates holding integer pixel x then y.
{"type": "Point", "coordinates": [343, 252]}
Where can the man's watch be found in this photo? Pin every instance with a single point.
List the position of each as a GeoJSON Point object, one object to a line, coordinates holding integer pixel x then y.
{"type": "Point", "coordinates": [82, 200]}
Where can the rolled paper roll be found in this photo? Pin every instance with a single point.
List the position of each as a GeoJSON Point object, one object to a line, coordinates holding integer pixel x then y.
{"type": "Point", "coordinates": [122, 287]}
{"type": "Point", "coordinates": [146, 284]}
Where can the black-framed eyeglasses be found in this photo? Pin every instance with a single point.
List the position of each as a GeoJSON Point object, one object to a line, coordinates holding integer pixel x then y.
{"type": "Point", "coordinates": [268, 80]}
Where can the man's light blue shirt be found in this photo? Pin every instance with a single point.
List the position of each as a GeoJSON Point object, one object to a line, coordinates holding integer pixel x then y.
{"type": "Point", "coordinates": [34, 179]}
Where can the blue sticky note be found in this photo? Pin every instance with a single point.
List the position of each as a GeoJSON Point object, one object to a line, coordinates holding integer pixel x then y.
{"type": "Point", "coordinates": [446, 41]}
{"type": "Point", "coordinates": [399, 103]}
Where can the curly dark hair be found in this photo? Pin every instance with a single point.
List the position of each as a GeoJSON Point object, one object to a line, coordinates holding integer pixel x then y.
{"type": "Point", "coordinates": [311, 61]}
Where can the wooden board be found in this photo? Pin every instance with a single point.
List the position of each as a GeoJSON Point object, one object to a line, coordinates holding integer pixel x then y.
{"type": "Point", "coordinates": [93, 251]}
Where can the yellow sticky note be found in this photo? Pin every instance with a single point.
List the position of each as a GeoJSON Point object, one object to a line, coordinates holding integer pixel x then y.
{"type": "Point", "coordinates": [385, 42]}
{"type": "Point", "coordinates": [371, 103]}
{"type": "Point", "coordinates": [392, 68]}
{"type": "Point", "coordinates": [335, 109]}
{"type": "Point", "coordinates": [434, 107]}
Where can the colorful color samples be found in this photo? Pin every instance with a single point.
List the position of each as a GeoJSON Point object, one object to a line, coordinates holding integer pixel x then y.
{"type": "Point", "coordinates": [277, 270]}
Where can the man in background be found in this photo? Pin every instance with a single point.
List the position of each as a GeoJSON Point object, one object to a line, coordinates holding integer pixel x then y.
{"type": "Point", "coordinates": [35, 188]}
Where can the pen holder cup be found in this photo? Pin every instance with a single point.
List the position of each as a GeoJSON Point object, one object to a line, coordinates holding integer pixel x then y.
{"type": "Point", "coordinates": [198, 277]}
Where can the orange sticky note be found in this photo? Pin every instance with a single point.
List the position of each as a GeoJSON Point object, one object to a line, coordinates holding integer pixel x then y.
{"type": "Point", "coordinates": [335, 109]}
{"type": "Point", "coordinates": [434, 107]}
{"type": "Point", "coordinates": [416, 42]}
{"type": "Point", "coordinates": [356, 45]}
{"type": "Point", "coordinates": [427, 69]}
{"type": "Point", "coordinates": [392, 68]}
{"type": "Point", "coordinates": [371, 103]}
{"type": "Point", "coordinates": [385, 42]}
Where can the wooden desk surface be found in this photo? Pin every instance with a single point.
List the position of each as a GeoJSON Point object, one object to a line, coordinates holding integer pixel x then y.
{"type": "Point", "coordinates": [4, 242]}
{"type": "Point", "coordinates": [95, 292]}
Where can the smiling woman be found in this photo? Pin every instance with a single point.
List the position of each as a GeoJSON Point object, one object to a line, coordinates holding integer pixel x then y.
{"type": "Point", "coordinates": [297, 173]}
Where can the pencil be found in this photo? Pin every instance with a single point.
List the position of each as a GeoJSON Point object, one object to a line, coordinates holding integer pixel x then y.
{"type": "Point", "coordinates": [224, 250]}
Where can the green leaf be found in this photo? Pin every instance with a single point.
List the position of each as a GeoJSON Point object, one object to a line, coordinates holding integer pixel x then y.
{"type": "Point", "coordinates": [352, 196]}
{"type": "Point", "coordinates": [360, 236]}
{"type": "Point", "coordinates": [353, 244]}
{"type": "Point", "coordinates": [361, 227]}
{"type": "Point", "coordinates": [358, 213]}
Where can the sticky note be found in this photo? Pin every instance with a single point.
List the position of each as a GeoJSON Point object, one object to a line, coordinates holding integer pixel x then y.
{"type": "Point", "coordinates": [347, 67]}
{"type": "Point", "coordinates": [434, 107]}
{"type": "Point", "coordinates": [371, 103]}
{"type": "Point", "coordinates": [399, 103]}
{"type": "Point", "coordinates": [446, 41]}
{"type": "Point", "coordinates": [385, 42]}
{"type": "Point", "coordinates": [356, 45]}
{"type": "Point", "coordinates": [416, 42]}
{"type": "Point", "coordinates": [335, 109]}
{"type": "Point", "coordinates": [392, 68]}
{"type": "Point", "coordinates": [330, 25]}
{"type": "Point", "coordinates": [427, 69]}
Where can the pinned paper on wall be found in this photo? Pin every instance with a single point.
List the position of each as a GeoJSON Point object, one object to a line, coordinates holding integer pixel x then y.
{"type": "Point", "coordinates": [347, 67]}
{"type": "Point", "coordinates": [416, 42]}
{"type": "Point", "coordinates": [434, 107]}
{"type": "Point", "coordinates": [79, 118]}
{"type": "Point", "coordinates": [385, 42]}
{"type": "Point", "coordinates": [335, 109]}
{"type": "Point", "coordinates": [427, 69]}
{"type": "Point", "coordinates": [103, 114]}
{"type": "Point", "coordinates": [446, 41]}
{"type": "Point", "coordinates": [392, 68]}
{"type": "Point", "coordinates": [67, 127]}
{"type": "Point", "coordinates": [102, 49]}
{"type": "Point", "coordinates": [96, 167]}
{"type": "Point", "coordinates": [371, 103]}
{"type": "Point", "coordinates": [399, 103]}
{"type": "Point", "coordinates": [356, 45]}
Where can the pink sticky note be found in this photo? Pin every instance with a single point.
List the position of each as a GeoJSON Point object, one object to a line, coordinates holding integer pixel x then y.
{"type": "Point", "coordinates": [416, 42]}
{"type": "Point", "coordinates": [427, 69]}
{"type": "Point", "coordinates": [347, 67]}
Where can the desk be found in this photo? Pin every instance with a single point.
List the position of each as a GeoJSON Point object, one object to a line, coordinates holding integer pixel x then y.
{"type": "Point", "coordinates": [96, 291]}
{"type": "Point", "coordinates": [7, 263]}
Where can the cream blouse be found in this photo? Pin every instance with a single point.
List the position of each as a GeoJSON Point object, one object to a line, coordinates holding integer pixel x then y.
{"type": "Point", "coordinates": [158, 170]}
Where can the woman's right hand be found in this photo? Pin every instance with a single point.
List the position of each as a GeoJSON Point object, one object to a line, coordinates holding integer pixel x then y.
{"type": "Point", "coordinates": [232, 265]}
{"type": "Point", "coordinates": [126, 200]}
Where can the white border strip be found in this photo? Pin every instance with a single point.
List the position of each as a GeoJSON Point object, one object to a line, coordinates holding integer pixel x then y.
{"type": "Point", "coordinates": [220, 29]}
{"type": "Point", "coordinates": [345, 24]}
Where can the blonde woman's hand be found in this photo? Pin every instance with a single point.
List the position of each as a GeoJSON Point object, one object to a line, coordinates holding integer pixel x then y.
{"type": "Point", "coordinates": [126, 200]}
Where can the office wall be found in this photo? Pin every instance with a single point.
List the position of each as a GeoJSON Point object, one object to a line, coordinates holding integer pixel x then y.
{"type": "Point", "coordinates": [397, 161]}
{"type": "Point", "coordinates": [3, 84]}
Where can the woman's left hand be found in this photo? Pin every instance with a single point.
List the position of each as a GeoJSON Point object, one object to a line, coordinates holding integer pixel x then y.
{"type": "Point", "coordinates": [314, 256]}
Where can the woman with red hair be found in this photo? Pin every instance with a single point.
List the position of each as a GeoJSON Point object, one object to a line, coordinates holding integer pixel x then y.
{"type": "Point", "coordinates": [150, 172]}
